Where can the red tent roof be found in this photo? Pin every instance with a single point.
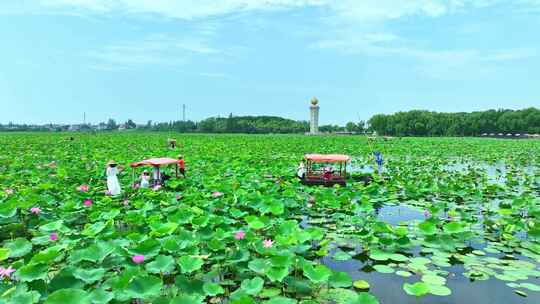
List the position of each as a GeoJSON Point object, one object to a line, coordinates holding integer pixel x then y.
{"type": "Point", "coordinates": [162, 161]}
{"type": "Point", "coordinates": [327, 158]}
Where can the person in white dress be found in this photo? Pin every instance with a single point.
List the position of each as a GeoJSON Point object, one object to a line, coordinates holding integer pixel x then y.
{"type": "Point", "coordinates": [113, 185]}
{"type": "Point", "coordinates": [145, 179]}
{"type": "Point", "coordinates": [301, 171]}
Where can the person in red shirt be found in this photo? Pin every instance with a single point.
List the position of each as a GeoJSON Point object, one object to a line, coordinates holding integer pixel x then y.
{"type": "Point", "coordinates": [182, 165]}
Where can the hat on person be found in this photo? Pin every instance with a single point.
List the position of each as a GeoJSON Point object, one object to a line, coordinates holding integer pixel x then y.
{"type": "Point", "coordinates": [111, 162]}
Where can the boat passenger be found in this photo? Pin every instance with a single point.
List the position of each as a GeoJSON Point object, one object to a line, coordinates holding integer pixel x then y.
{"type": "Point", "coordinates": [145, 179]}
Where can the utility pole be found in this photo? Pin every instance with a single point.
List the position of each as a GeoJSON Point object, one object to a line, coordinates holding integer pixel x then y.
{"type": "Point", "coordinates": [184, 112]}
{"type": "Point", "coordinates": [84, 118]}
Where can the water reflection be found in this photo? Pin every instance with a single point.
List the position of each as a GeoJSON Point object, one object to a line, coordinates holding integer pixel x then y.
{"type": "Point", "coordinates": [396, 214]}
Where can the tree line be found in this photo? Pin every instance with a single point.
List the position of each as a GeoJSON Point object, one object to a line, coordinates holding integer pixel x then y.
{"type": "Point", "coordinates": [426, 123]}
{"type": "Point", "coordinates": [410, 123]}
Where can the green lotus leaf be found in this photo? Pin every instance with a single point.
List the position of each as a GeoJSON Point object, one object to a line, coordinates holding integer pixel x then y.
{"type": "Point", "coordinates": [433, 279]}
{"type": "Point", "coordinates": [68, 296]}
{"type": "Point", "coordinates": [93, 253]}
{"type": "Point", "coordinates": [149, 248]}
{"type": "Point", "coordinates": [46, 256]}
{"type": "Point", "coordinates": [277, 273]}
{"type": "Point", "coordinates": [428, 228]}
{"type": "Point", "coordinates": [212, 289]}
{"type": "Point", "coordinates": [269, 293]}
{"type": "Point", "coordinates": [379, 255]}
{"type": "Point", "coordinates": [100, 296]}
{"type": "Point", "coordinates": [186, 299]}
{"type": "Point", "coordinates": [530, 286]}
{"type": "Point", "coordinates": [161, 264]}
{"type": "Point", "coordinates": [255, 222]}
{"type": "Point", "coordinates": [32, 272]}
{"type": "Point", "coordinates": [19, 247]}
{"type": "Point", "coordinates": [318, 274]}
{"type": "Point", "coordinates": [259, 266]}
{"type": "Point", "coordinates": [144, 287]}
{"type": "Point", "coordinates": [383, 269]}
{"type": "Point", "coordinates": [439, 290]}
{"type": "Point", "coordinates": [7, 211]}
{"type": "Point", "coordinates": [89, 275]}
{"type": "Point", "coordinates": [4, 253]}
{"type": "Point", "coordinates": [404, 274]}
{"type": "Point", "coordinates": [189, 264]}
{"type": "Point", "coordinates": [361, 284]}
{"type": "Point", "coordinates": [189, 285]}
{"type": "Point", "coordinates": [341, 256]}
{"type": "Point", "coordinates": [280, 300]}
{"type": "Point", "coordinates": [454, 227]}
{"type": "Point", "coordinates": [417, 289]}
{"type": "Point", "coordinates": [163, 228]}
{"type": "Point", "coordinates": [340, 279]}
{"type": "Point", "coordinates": [364, 298]}
{"type": "Point", "coordinates": [252, 286]}
{"type": "Point", "coordinates": [94, 229]}
{"type": "Point", "coordinates": [52, 226]}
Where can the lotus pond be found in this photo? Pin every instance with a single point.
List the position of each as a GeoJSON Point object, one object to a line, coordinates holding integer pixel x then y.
{"type": "Point", "coordinates": [453, 220]}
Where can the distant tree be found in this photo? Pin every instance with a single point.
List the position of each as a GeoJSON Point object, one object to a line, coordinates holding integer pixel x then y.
{"type": "Point", "coordinates": [130, 124]}
{"type": "Point", "coordinates": [425, 123]}
{"type": "Point", "coordinates": [351, 127]}
{"type": "Point", "coordinates": [111, 124]}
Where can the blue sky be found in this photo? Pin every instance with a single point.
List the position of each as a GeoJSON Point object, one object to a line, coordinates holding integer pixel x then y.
{"type": "Point", "coordinates": [143, 59]}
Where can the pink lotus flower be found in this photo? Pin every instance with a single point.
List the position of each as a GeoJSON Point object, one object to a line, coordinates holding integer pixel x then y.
{"type": "Point", "coordinates": [88, 203]}
{"type": "Point", "coordinates": [53, 237]}
{"type": "Point", "coordinates": [6, 272]}
{"type": "Point", "coordinates": [35, 210]}
{"type": "Point", "coordinates": [136, 186]}
{"type": "Point", "coordinates": [240, 235]}
{"type": "Point", "coordinates": [427, 213]}
{"type": "Point", "coordinates": [156, 187]}
{"type": "Point", "coordinates": [125, 202]}
{"type": "Point", "coordinates": [137, 259]}
{"type": "Point", "coordinates": [83, 188]}
{"type": "Point", "coordinates": [179, 197]}
{"type": "Point", "coordinates": [9, 191]}
{"type": "Point", "coordinates": [217, 194]}
{"type": "Point", "coordinates": [268, 243]}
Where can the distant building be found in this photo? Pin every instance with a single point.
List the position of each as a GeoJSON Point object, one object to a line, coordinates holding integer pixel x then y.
{"type": "Point", "coordinates": [74, 128]}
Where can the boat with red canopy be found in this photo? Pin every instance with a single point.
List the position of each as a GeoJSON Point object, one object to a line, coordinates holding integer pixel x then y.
{"type": "Point", "coordinates": [157, 163]}
{"type": "Point", "coordinates": [322, 169]}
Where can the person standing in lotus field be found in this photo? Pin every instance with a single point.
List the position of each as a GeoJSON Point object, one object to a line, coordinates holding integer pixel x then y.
{"type": "Point", "coordinates": [379, 160]}
{"type": "Point", "coordinates": [113, 185]}
{"type": "Point", "coordinates": [182, 165]}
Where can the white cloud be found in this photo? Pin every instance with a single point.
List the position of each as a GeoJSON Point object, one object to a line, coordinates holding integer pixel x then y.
{"type": "Point", "coordinates": [367, 10]}
{"type": "Point", "coordinates": [213, 75]}
{"type": "Point", "coordinates": [160, 50]}
{"type": "Point", "coordinates": [181, 9]}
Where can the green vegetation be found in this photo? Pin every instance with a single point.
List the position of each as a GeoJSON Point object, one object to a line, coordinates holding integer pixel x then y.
{"type": "Point", "coordinates": [425, 123]}
{"type": "Point", "coordinates": [241, 227]}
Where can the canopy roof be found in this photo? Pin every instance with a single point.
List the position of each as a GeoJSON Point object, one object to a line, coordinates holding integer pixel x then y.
{"type": "Point", "coordinates": [327, 158]}
{"type": "Point", "coordinates": [161, 161]}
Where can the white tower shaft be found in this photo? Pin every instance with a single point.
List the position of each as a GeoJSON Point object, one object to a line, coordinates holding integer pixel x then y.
{"type": "Point", "coordinates": [314, 121]}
